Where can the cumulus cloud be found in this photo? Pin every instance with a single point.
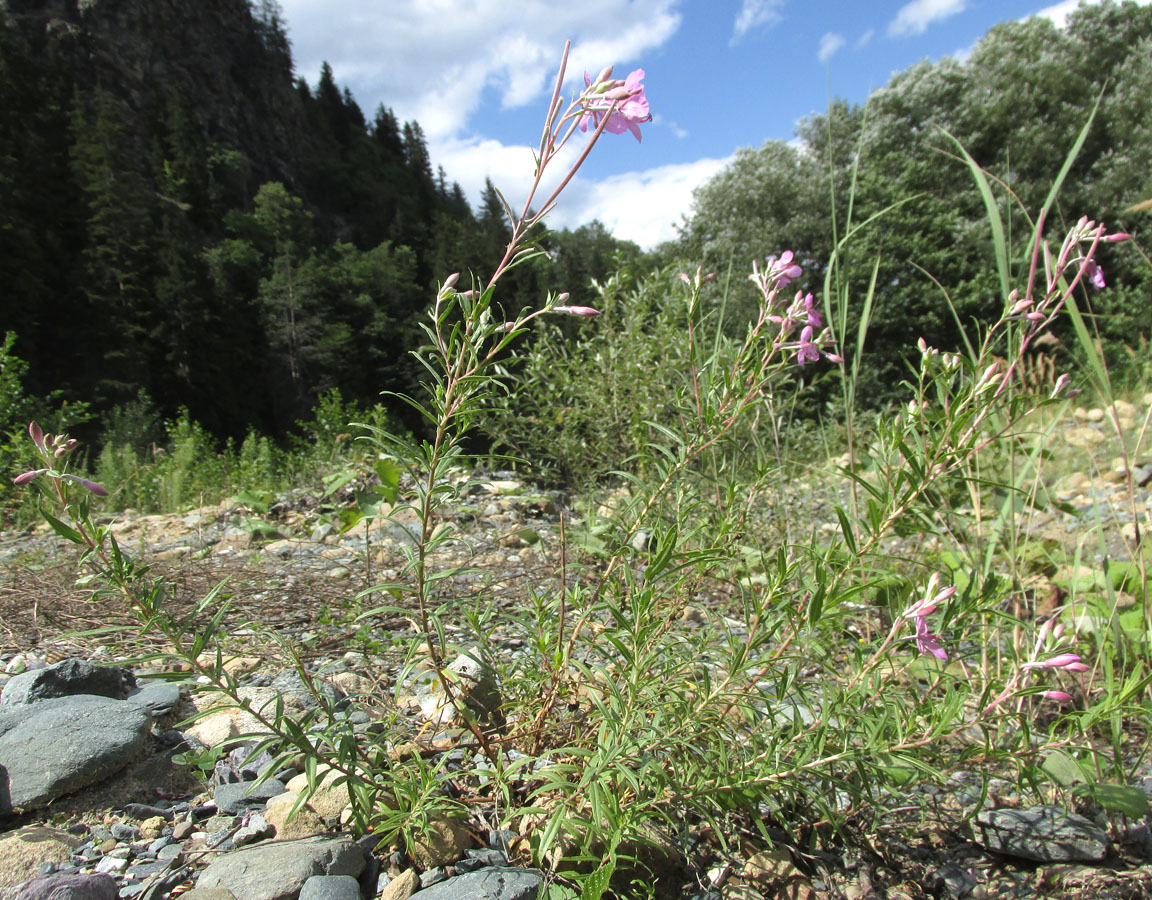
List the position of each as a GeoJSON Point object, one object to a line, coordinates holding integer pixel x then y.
{"type": "Point", "coordinates": [829, 44]}
{"type": "Point", "coordinates": [754, 14]}
{"type": "Point", "coordinates": [433, 60]}
{"type": "Point", "coordinates": [641, 206]}
{"type": "Point", "coordinates": [915, 17]}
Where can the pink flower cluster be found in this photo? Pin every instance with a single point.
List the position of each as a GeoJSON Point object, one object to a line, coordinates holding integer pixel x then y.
{"type": "Point", "coordinates": [623, 102]}
{"type": "Point", "coordinates": [778, 273]}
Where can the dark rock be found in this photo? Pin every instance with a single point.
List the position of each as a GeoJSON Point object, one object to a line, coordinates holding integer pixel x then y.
{"type": "Point", "coordinates": [277, 870]}
{"type": "Point", "coordinates": [145, 811]}
{"type": "Point", "coordinates": [159, 698]}
{"type": "Point", "coordinates": [330, 887]}
{"type": "Point", "coordinates": [488, 884]}
{"type": "Point", "coordinates": [66, 887]}
{"type": "Point", "coordinates": [1042, 833]}
{"type": "Point", "coordinates": [54, 747]}
{"type": "Point", "coordinates": [68, 678]}
{"type": "Point", "coordinates": [432, 876]}
{"type": "Point", "coordinates": [234, 799]}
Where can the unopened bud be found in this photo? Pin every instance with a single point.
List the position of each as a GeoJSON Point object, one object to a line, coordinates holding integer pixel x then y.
{"type": "Point", "coordinates": [60, 452]}
{"type": "Point", "coordinates": [604, 75]}
{"type": "Point", "coordinates": [26, 477]}
{"type": "Point", "coordinates": [685, 278]}
{"type": "Point", "coordinates": [585, 312]}
{"type": "Point", "coordinates": [451, 280]}
{"type": "Point", "coordinates": [1118, 238]}
{"type": "Point", "coordinates": [563, 298]}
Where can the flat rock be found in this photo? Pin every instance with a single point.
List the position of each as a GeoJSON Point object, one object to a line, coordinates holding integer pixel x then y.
{"type": "Point", "coordinates": [1042, 833]}
{"type": "Point", "coordinates": [277, 870]}
{"type": "Point", "coordinates": [488, 884]}
{"type": "Point", "coordinates": [235, 798]}
{"type": "Point", "coordinates": [68, 678]}
{"type": "Point", "coordinates": [158, 699]}
{"type": "Point", "coordinates": [66, 887]}
{"type": "Point", "coordinates": [54, 747]}
{"type": "Point", "coordinates": [23, 852]}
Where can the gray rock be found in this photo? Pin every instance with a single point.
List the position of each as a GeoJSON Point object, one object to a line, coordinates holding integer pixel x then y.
{"type": "Point", "coordinates": [289, 682]}
{"type": "Point", "coordinates": [65, 887]}
{"type": "Point", "coordinates": [68, 678]}
{"type": "Point", "coordinates": [233, 799]}
{"type": "Point", "coordinates": [1042, 833]}
{"type": "Point", "coordinates": [488, 884]}
{"type": "Point", "coordinates": [277, 870]}
{"type": "Point", "coordinates": [158, 699]}
{"type": "Point", "coordinates": [57, 746]}
{"type": "Point", "coordinates": [330, 887]}
{"type": "Point", "coordinates": [473, 683]}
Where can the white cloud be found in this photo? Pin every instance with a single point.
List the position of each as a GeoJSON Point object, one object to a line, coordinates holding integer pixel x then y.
{"type": "Point", "coordinates": [644, 206]}
{"type": "Point", "coordinates": [638, 206]}
{"type": "Point", "coordinates": [865, 38]}
{"type": "Point", "coordinates": [433, 60]}
{"type": "Point", "coordinates": [1059, 12]}
{"type": "Point", "coordinates": [754, 14]}
{"type": "Point", "coordinates": [829, 44]}
{"type": "Point", "coordinates": [915, 17]}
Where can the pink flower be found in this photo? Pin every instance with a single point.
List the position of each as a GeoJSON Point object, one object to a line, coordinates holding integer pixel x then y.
{"type": "Point", "coordinates": [1095, 274]}
{"type": "Point", "coordinates": [783, 270]}
{"type": "Point", "coordinates": [26, 477]}
{"type": "Point", "coordinates": [1058, 696]}
{"type": "Point", "coordinates": [807, 351]}
{"type": "Point", "coordinates": [585, 312]}
{"type": "Point", "coordinates": [926, 641]}
{"type": "Point", "coordinates": [631, 106]}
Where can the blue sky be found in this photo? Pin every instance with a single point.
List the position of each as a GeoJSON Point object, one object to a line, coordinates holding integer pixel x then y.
{"type": "Point", "coordinates": [720, 75]}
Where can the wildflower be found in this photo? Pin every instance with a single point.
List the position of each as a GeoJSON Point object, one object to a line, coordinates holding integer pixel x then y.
{"type": "Point", "coordinates": [623, 102]}
{"type": "Point", "coordinates": [1058, 696]}
{"type": "Point", "coordinates": [1118, 238]}
{"type": "Point", "coordinates": [928, 642]}
{"type": "Point", "coordinates": [783, 270]}
{"type": "Point", "coordinates": [807, 351]}
{"type": "Point", "coordinates": [585, 312]}
{"type": "Point", "coordinates": [27, 477]}
{"type": "Point", "coordinates": [1061, 383]}
{"type": "Point", "coordinates": [1095, 274]}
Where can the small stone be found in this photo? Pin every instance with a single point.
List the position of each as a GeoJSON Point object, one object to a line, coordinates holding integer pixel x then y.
{"type": "Point", "coordinates": [488, 884]}
{"type": "Point", "coordinates": [71, 886]}
{"type": "Point", "coordinates": [432, 876]}
{"type": "Point", "coordinates": [401, 887]}
{"type": "Point", "coordinates": [330, 887]}
{"type": "Point", "coordinates": [110, 864]}
{"type": "Point", "coordinates": [239, 796]}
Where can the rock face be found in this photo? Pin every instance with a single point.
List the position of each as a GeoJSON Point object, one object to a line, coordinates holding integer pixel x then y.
{"type": "Point", "coordinates": [54, 747]}
{"type": "Point", "coordinates": [276, 870]}
{"type": "Point", "coordinates": [67, 678]}
{"type": "Point", "coordinates": [1042, 833]}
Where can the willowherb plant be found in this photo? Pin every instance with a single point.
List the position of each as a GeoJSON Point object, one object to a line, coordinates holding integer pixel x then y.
{"type": "Point", "coordinates": [634, 711]}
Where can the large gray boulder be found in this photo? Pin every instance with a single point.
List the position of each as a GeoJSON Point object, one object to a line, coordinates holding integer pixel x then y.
{"type": "Point", "coordinates": [277, 870]}
{"type": "Point", "coordinates": [53, 747]}
{"type": "Point", "coordinates": [68, 678]}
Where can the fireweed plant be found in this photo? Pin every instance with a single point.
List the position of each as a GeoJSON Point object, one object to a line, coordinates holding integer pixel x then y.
{"type": "Point", "coordinates": [663, 691]}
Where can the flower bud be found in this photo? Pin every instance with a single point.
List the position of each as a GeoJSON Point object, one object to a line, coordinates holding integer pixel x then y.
{"type": "Point", "coordinates": [585, 312]}
{"type": "Point", "coordinates": [685, 278]}
{"type": "Point", "coordinates": [451, 280]}
{"type": "Point", "coordinates": [1058, 696]}
{"type": "Point", "coordinates": [604, 75]}
{"type": "Point", "coordinates": [26, 477]}
{"type": "Point", "coordinates": [563, 298]}
{"type": "Point", "coordinates": [1118, 238]}
{"type": "Point", "coordinates": [36, 434]}
{"type": "Point", "coordinates": [1061, 383]}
